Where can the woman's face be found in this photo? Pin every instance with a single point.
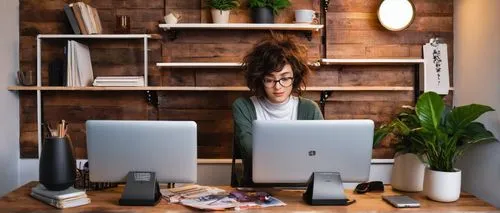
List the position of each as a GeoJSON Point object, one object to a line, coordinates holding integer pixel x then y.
{"type": "Point", "coordinates": [278, 85]}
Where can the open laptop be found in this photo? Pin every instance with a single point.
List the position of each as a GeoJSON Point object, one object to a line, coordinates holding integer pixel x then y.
{"type": "Point", "coordinates": [289, 151]}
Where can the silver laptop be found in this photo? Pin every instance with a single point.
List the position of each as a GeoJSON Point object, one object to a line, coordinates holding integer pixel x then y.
{"type": "Point", "coordinates": [168, 148]}
{"type": "Point", "coordinates": [289, 151]}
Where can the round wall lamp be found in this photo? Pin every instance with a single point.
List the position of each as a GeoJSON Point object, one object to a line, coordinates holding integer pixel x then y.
{"type": "Point", "coordinates": [396, 15]}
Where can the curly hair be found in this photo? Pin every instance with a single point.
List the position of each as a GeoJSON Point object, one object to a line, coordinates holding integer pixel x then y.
{"type": "Point", "coordinates": [271, 55]}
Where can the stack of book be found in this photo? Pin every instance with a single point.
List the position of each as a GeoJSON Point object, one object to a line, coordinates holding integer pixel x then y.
{"type": "Point", "coordinates": [79, 72]}
{"type": "Point", "coordinates": [83, 18]}
{"type": "Point", "coordinates": [67, 198]}
{"type": "Point", "coordinates": [119, 81]}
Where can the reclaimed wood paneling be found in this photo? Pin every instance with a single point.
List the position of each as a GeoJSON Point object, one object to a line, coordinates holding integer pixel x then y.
{"type": "Point", "coordinates": [352, 31]}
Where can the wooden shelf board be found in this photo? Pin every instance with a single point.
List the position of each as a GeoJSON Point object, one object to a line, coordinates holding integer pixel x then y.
{"type": "Point", "coordinates": [242, 26]}
{"type": "Point", "coordinates": [371, 61]}
{"type": "Point", "coordinates": [210, 64]}
{"type": "Point", "coordinates": [199, 64]}
{"type": "Point", "coordinates": [188, 88]}
{"type": "Point", "coordinates": [102, 36]}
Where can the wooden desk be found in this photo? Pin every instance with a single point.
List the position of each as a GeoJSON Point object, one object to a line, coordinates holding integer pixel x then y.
{"type": "Point", "coordinates": [107, 201]}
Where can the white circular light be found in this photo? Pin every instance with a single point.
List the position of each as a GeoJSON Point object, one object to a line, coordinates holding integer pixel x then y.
{"type": "Point", "coordinates": [396, 15]}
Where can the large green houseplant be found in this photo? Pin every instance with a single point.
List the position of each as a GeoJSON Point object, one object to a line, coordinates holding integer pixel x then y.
{"type": "Point", "coordinates": [220, 9]}
{"type": "Point", "coordinates": [263, 11]}
{"type": "Point", "coordinates": [442, 134]}
{"type": "Point", "coordinates": [445, 134]}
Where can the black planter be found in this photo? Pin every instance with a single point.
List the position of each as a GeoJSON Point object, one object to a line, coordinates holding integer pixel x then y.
{"type": "Point", "coordinates": [57, 164]}
{"type": "Point", "coordinates": [262, 15]}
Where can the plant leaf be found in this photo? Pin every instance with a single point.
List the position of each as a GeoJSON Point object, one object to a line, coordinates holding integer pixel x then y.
{"type": "Point", "coordinates": [380, 134]}
{"type": "Point", "coordinates": [475, 132]}
{"type": "Point", "coordinates": [429, 108]}
{"type": "Point", "coordinates": [461, 117]}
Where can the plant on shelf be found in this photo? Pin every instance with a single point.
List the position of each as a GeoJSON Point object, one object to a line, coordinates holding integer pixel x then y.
{"type": "Point", "coordinates": [220, 9]}
{"type": "Point", "coordinates": [263, 11]}
{"type": "Point", "coordinates": [408, 169]}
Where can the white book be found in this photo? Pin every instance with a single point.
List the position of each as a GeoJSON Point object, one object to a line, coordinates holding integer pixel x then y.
{"type": "Point", "coordinates": [85, 16]}
{"type": "Point", "coordinates": [84, 64]}
{"type": "Point", "coordinates": [139, 83]}
{"type": "Point", "coordinates": [75, 78]}
{"type": "Point", "coordinates": [61, 204]}
{"type": "Point", "coordinates": [69, 65]}
{"type": "Point", "coordinates": [92, 19]}
{"type": "Point", "coordinates": [119, 78]}
{"type": "Point", "coordinates": [70, 192]}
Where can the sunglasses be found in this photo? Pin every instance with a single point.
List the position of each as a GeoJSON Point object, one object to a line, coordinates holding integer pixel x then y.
{"type": "Point", "coordinates": [372, 186]}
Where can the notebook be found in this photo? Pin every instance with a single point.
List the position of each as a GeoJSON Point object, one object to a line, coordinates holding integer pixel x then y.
{"type": "Point", "coordinates": [70, 192]}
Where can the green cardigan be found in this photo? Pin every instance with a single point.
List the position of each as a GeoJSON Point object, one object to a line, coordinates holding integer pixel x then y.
{"type": "Point", "coordinates": [243, 115]}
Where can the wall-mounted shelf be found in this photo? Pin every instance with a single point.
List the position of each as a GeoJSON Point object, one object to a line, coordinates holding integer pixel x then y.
{"type": "Point", "coordinates": [242, 26]}
{"type": "Point", "coordinates": [199, 88]}
{"type": "Point", "coordinates": [307, 28]}
{"type": "Point", "coordinates": [372, 61]}
{"type": "Point", "coordinates": [199, 64]}
{"type": "Point", "coordinates": [102, 36]}
{"type": "Point", "coordinates": [210, 64]}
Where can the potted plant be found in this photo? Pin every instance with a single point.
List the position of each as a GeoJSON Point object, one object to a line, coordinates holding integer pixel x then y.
{"type": "Point", "coordinates": [263, 11]}
{"type": "Point", "coordinates": [221, 9]}
{"type": "Point", "coordinates": [408, 169]}
{"type": "Point", "coordinates": [446, 133]}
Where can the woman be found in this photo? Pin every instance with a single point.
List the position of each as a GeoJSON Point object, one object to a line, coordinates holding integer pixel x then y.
{"type": "Point", "coordinates": [275, 71]}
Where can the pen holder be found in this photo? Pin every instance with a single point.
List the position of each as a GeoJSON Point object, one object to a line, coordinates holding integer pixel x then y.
{"type": "Point", "coordinates": [57, 164]}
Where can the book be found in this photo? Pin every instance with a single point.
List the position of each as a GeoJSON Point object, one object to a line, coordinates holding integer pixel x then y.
{"type": "Point", "coordinates": [83, 64]}
{"type": "Point", "coordinates": [70, 192]}
{"type": "Point", "coordinates": [61, 204]}
{"type": "Point", "coordinates": [72, 19]}
{"type": "Point", "coordinates": [79, 18]}
{"type": "Point", "coordinates": [133, 81]}
{"type": "Point", "coordinates": [97, 19]}
{"type": "Point", "coordinates": [85, 16]}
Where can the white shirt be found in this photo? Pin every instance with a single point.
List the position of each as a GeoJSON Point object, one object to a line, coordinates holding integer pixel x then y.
{"type": "Point", "coordinates": [266, 110]}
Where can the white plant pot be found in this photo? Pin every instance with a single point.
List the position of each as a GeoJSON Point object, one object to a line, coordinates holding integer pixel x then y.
{"type": "Point", "coordinates": [220, 16]}
{"type": "Point", "coordinates": [442, 186]}
{"type": "Point", "coordinates": [408, 173]}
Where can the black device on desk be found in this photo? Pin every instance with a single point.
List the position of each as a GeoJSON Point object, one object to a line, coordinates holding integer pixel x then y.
{"type": "Point", "coordinates": [141, 189]}
{"type": "Point", "coordinates": [325, 188]}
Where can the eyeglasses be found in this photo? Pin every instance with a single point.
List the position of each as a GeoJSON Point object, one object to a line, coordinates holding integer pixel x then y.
{"type": "Point", "coordinates": [369, 186]}
{"type": "Point", "coordinates": [285, 82]}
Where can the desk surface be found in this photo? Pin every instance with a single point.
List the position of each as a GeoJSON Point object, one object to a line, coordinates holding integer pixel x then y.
{"type": "Point", "coordinates": [19, 200]}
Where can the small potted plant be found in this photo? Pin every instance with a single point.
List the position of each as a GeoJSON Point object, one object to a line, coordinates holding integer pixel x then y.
{"type": "Point", "coordinates": [263, 11]}
{"type": "Point", "coordinates": [221, 9]}
{"type": "Point", "coordinates": [408, 168]}
{"type": "Point", "coordinates": [446, 133]}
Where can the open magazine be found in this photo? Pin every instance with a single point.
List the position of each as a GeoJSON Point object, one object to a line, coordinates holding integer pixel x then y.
{"type": "Point", "coordinates": [212, 198]}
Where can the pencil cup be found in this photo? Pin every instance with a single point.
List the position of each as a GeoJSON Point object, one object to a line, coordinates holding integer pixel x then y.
{"type": "Point", "coordinates": [57, 164]}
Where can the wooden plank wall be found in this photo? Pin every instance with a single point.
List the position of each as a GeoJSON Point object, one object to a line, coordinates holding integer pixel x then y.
{"type": "Point", "coordinates": [352, 31]}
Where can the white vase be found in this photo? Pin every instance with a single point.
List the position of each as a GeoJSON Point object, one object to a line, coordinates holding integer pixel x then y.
{"type": "Point", "coordinates": [442, 186]}
{"type": "Point", "coordinates": [408, 173]}
{"type": "Point", "coordinates": [220, 16]}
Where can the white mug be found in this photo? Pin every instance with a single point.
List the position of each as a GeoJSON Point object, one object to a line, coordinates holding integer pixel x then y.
{"type": "Point", "coordinates": [304, 16]}
{"type": "Point", "coordinates": [172, 18]}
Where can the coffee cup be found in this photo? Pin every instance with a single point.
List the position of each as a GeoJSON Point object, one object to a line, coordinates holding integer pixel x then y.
{"type": "Point", "coordinates": [304, 16]}
{"type": "Point", "coordinates": [172, 18]}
